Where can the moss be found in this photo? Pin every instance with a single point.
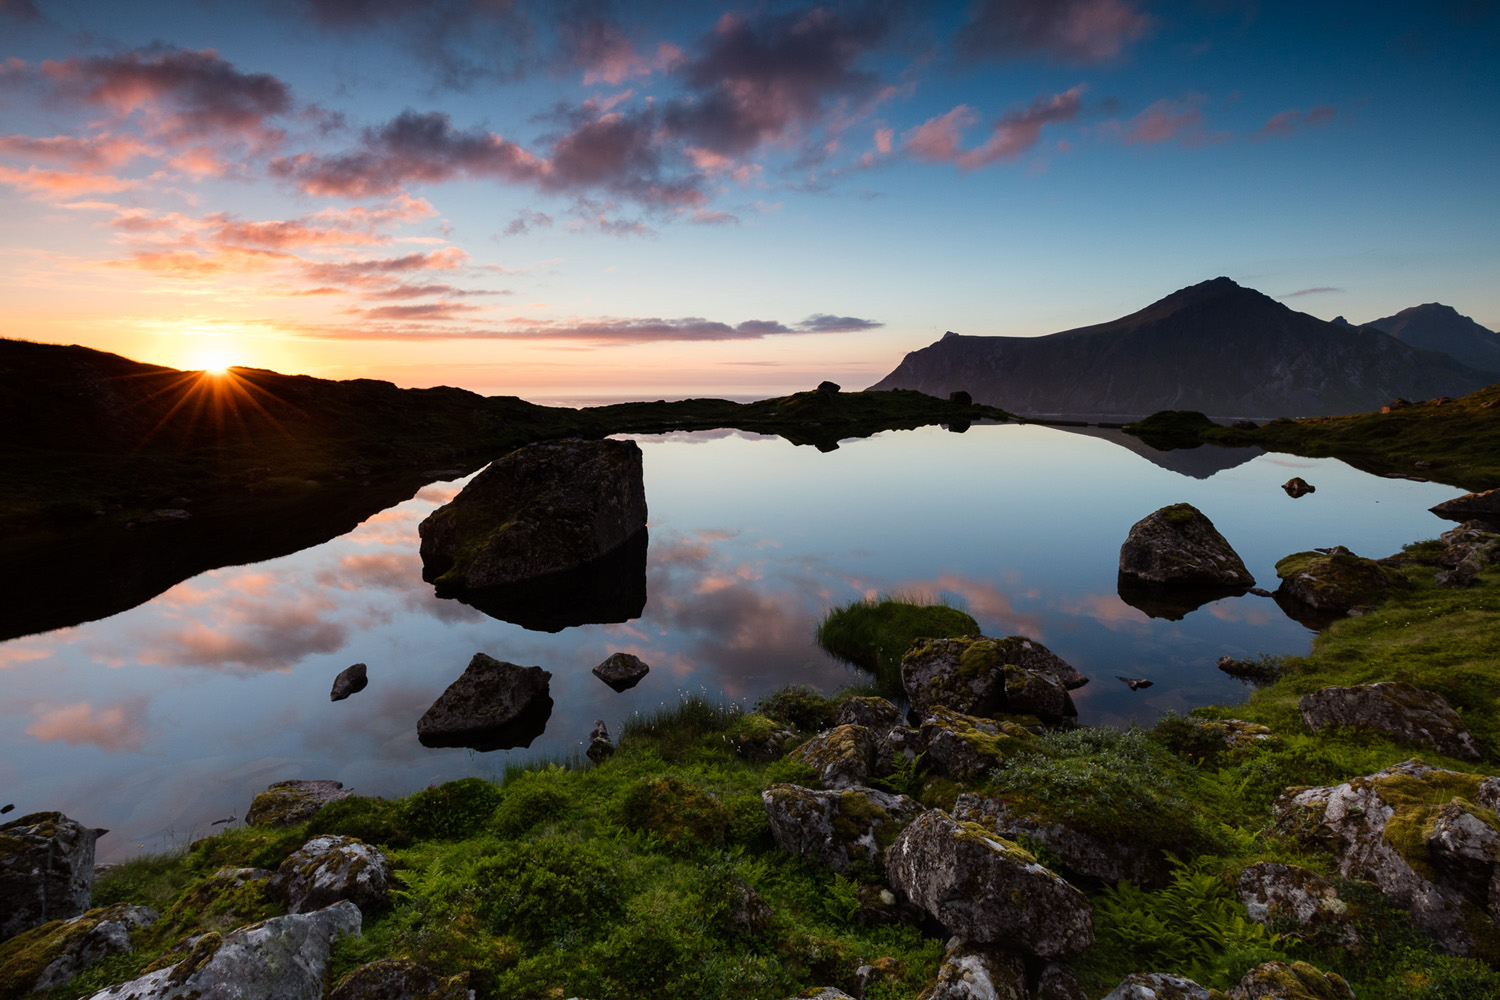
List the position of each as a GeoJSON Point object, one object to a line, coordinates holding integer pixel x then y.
{"type": "Point", "coordinates": [203, 951]}
{"type": "Point", "coordinates": [221, 902]}
{"type": "Point", "coordinates": [453, 809]}
{"type": "Point", "coordinates": [1416, 802]}
{"type": "Point", "coordinates": [1179, 514]}
{"type": "Point", "coordinates": [979, 658]}
{"type": "Point", "coordinates": [676, 811]}
{"type": "Point", "coordinates": [1008, 849]}
{"type": "Point", "coordinates": [26, 956]}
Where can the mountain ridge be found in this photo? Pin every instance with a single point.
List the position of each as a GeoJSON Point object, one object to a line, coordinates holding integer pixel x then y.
{"type": "Point", "coordinates": [1433, 326]}
{"type": "Point", "coordinates": [1216, 346]}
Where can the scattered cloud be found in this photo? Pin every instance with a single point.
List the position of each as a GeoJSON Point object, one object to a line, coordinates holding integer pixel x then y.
{"type": "Point", "coordinates": [940, 139]}
{"type": "Point", "coordinates": [97, 153]}
{"type": "Point", "coordinates": [526, 220]}
{"type": "Point", "coordinates": [1178, 120]}
{"type": "Point", "coordinates": [117, 727]}
{"type": "Point", "coordinates": [62, 183]}
{"type": "Point", "coordinates": [1285, 123]}
{"type": "Point", "coordinates": [1070, 31]}
{"type": "Point", "coordinates": [595, 331]}
{"type": "Point", "coordinates": [1309, 291]}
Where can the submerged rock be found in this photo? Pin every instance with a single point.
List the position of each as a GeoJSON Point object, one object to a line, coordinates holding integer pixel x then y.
{"type": "Point", "coordinates": [285, 957]}
{"type": "Point", "coordinates": [328, 869]}
{"type": "Point", "coordinates": [843, 829]}
{"type": "Point", "coordinates": [541, 509]}
{"type": "Point", "coordinates": [622, 671]}
{"type": "Point", "coordinates": [351, 680]}
{"type": "Point", "coordinates": [46, 870]}
{"type": "Point", "coordinates": [1298, 487]}
{"type": "Point", "coordinates": [494, 705]}
{"type": "Point", "coordinates": [978, 675]}
{"type": "Point", "coordinates": [52, 954]}
{"type": "Point", "coordinates": [1428, 838]}
{"type": "Point", "coordinates": [1398, 709]}
{"type": "Point", "coordinates": [287, 803]}
{"type": "Point", "coordinates": [986, 889]}
{"type": "Point", "coordinates": [1179, 546]}
{"type": "Point", "coordinates": [1333, 582]}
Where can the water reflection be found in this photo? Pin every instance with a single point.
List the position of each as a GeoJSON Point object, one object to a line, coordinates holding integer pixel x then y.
{"type": "Point", "coordinates": [161, 719]}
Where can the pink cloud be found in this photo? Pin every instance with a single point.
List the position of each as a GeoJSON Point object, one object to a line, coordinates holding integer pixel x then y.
{"type": "Point", "coordinates": [940, 140]}
{"type": "Point", "coordinates": [1285, 123]}
{"type": "Point", "coordinates": [62, 184]}
{"type": "Point", "coordinates": [1076, 31]}
{"type": "Point", "coordinates": [112, 727]}
{"type": "Point", "coordinates": [97, 153]}
{"type": "Point", "coordinates": [1177, 120]}
{"type": "Point", "coordinates": [190, 264]}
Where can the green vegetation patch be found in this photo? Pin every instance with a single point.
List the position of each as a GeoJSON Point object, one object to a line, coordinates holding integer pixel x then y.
{"type": "Point", "coordinates": [875, 635]}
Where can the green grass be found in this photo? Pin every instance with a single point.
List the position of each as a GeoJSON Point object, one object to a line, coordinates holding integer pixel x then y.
{"type": "Point", "coordinates": [875, 635]}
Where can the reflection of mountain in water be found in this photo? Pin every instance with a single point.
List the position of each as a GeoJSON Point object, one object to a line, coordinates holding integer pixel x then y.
{"type": "Point", "coordinates": [607, 590]}
{"type": "Point", "coordinates": [1198, 463]}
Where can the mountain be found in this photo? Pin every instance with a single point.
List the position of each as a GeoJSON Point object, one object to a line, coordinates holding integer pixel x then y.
{"type": "Point", "coordinates": [1436, 327]}
{"type": "Point", "coordinates": [1216, 347]}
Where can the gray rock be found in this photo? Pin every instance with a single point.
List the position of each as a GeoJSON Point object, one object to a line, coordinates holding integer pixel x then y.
{"type": "Point", "coordinates": [46, 870]}
{"type": "Point", "coordinates": [1158, 986]}
{"type": "Point", "coordinates": [1280, 981]}
{"type": "Point", "coordinates": [1334, 581]}
{"type": "Point", "coordinates": [492, 705]}
{"type": "Point", "coordinates": [842, 829]}
{"type": "Point", "coordinates": [973, 972]}
{"type": "Point", "coordinates": [899, 748]}
{"type": "Point", "coordinates": [1472, 507]}
{"type": "Point", "coordinates": [1298, 487]}
{"type": "Point", "coordinates": [759, 737]}
{"type": "Point", "coordinates": [1472, 547]}
{"type": "Point", "coordinates": [822, 993]}
{"type": "Point", "coordinates": [622, 671]}
{"type": "Point", "coordinates": [1435, 859]}
{"type": "Point", "coordinates": [283, 958]}
{"type": "Point", "coordinates": [965, 746]}
{"type": "Point", "coordinates": [1396, 708]}
{"type": "Point", "coordinates": [1289, 892]}
{"type": "Point", "coordinates": [328, 869]}
{"type": "Point", "coordinates": [978, 675]}
{"type": "Point", "coordinates": [1077, 852]}
{"type": "Point", "coordinates": [52, 954]}
{"type": "Point", "coordinates": [399, 979]}
{"type": "Point", "coordinates": [1179, 545]}
{"type": "Point", "coordinates": [351, 680]}
{"type": "Point", "coordinates": [987, 890]}
{"type": "Point", "coordinates": [843, 756]}
{"type": "Point", "coordinates": [287, 803]}
{"type": "Point", "coordinates": [1058, 982]}
{"type": "Point", "coordinates": [541, 509]}
{"type": "Point", "coordinates": [876, 714]}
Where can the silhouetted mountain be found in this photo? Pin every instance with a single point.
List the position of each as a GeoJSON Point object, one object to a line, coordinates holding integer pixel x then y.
{"type": "Point", "coordinates": [1436, 327]}
{"type": "Point", "coordinates": [1215, 347]}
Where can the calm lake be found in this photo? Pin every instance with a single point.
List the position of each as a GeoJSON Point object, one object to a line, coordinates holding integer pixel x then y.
{"type": "Point", "coordinates": [158, 721]}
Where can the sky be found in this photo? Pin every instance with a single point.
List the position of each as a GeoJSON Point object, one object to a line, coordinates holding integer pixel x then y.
{"type": "Point", "coordinates": [579, 199]}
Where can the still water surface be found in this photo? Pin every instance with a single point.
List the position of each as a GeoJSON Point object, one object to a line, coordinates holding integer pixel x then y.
{"type": "Point", "coordinates": [160, 720]}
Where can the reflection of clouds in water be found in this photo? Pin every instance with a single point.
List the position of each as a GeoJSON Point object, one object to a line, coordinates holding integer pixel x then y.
{"type": "Point", "coordinates": [27, 650]}
{"type": "Point", "coordinates": [267, 631]}
{"type": "Point", "coordinates": [1258, 612]}
{"type": "Point", "coordinates": [1108, 610]}
{"type": "Point", "coordinates": [389, 571]}
{"type": "Point", "coordinates": [116, 727]}
{"type": "Point", "coordinates": [695, 437]}
{"type": "Point", "coordinates": [379, 723]}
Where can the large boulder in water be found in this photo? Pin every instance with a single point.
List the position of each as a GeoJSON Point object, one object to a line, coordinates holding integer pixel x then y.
{"type": "Point", "coordinates": [1428, 838]}
{"type": "Point", "coordinates": [46, 870]}
{"type": "Point", "coordinates": [1472, 507]}
{"type": "Point", "coordinates": [494, 705]}
{"type": "Point", "coordinates": [1395, 708]}
{"type": "Point", "coordinates": [1179, 546]}
{"type": "Point", "coordinates": [541, 509]}
{"type": "Point", "coordinates": [988, 890]}
{"type": "Point", "coordinates": [1332, 582]}
{"type": "Point", "coordinates": [977, 675]}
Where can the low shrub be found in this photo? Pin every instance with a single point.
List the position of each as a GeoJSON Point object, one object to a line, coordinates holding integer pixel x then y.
{"type": "Point", "coordinates": [452, 810]}
{"type": "Point", "coordinates": [551, 893]}
{"type": "Point", "coordinates": [875, 635]}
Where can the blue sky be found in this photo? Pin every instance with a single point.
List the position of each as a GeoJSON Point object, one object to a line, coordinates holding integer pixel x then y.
{"type": "Point", "coordinates": [585, 198]}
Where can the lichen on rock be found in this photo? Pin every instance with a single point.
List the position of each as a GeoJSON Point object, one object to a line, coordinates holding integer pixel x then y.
{"type": "Point", "coordinates": [287, 803]}
{"type": "Point", "coordinates": [1179, 546]}
{"type": "Point", "coordinates": [1398, 709]}
{"type": "Point", "coordinates": [1335, 581]}
{"type": "Point", "coordinates": [1297, 981]}
{"type": "Point", "coordinates": [844, 829]}
{"type": "Point", "coordinates": [843, 756]}
{"type": "Point", "coordinates": [328, 869]}
{"type": "Point", "coordinates": [976, 675]}
{"type": "Point", "coordinates": [49, 956]}
{"type": "Point", "coordinates": [46, 870]}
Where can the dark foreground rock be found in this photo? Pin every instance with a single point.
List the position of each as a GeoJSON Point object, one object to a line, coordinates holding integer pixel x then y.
{"type": "Point", "coordinates": [986, 889]}
{"type": "Point", "coordinates": [351, 680]}
{"type": "Point", "coordinates": [1298, 487]}
{"type": "Point", "coordinates": [622, 671]}
{"type": "Point", "coordinates": [326, 870]}
{"type": "Point", "coordinates": [1471, 548]}
{"type": "Point", "coordinates": [494, 705]}
{"type": "Point", "coordinates": [1426, 837]}
{"type": "Point", "coordinates": [1395, 708]}
{"type": "Point", "coordinates": [284, 957]}
{"type": "Point", "coordinates": [52, 954]}
{"type": "Point", "coordinates": [46, 870]}
{"type": "Point", "coordinates": [1078, 853]}
{"type": "Point", "coordinates": [1292, 894]}
{"type": "Point", "coordinates": [399, 979]}
{"type": "Point", "coordinates": [978, 675]}
{"type": "Point", "coordinates": [287, 803]}
{"type": "Point", "coordinates": [541, 509]}
{"type": "Point", "coordinates": [1179, 546]}
{"type": "Point", "coordinates": [843, 756]}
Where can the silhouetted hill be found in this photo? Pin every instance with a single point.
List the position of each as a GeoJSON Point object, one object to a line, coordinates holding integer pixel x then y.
{"type": "Point", "coordinates": [1216, 347]}
{"type": "Point", "coordinates": [1436, 327]}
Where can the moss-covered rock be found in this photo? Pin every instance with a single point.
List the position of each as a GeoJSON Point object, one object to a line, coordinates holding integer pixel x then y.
{"type": "Point", "coordinates": [1297, 981]}
{"type": "Point", "coordinates": [329, 869]}
{"type": "Point", "coordinates": [287, 803]}
{"type": "Point", "coordinates": [1162, 986]}
{"type": "Point", "coordinates": [842, 757]}
{"type": "Point", "coordinates": [758, 737]}
{"type": "Point", "coordinates": [971, 971]}
{"type": "Point", "coordinates": [399, 979]}
{"type": "Point", "coordinates": [876, 714]}
{"type": "Point", "coordinates": [229, 898]}
{"type": "Point", "coordinates": [975, 675]}
{"type": "Point", "coordinates": [1336, 581]}
{"type": "Point", "coordinates": [1179, 546]}
{"type": "Point", "coordinates": [52, 954]}
{"type": "Point", "coordinates": [964, 746]}
{"type": "Point", "coordinates": [1428, 838]}
{"type": "Point", "coordinates": [987, 889]}
{"type": "Point", "coordinates": [1400, 710]}
{"type": "Point", "coordinates": [846, 829]}
{"type": "Point", "coordinates": [1077, 852]}
{"type": "Point", "coordinates": [46, 870]}
{"type": "Point", "coordinates": [1290, 895]}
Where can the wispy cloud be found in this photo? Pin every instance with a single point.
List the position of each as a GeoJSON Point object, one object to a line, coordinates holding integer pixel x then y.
{"type": "Point", "coordinates": [1073, 31]}
{"type": "Point", "coordinates": [1286, 123]}
{"type": "Point", "coordinates": [940, 139]}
